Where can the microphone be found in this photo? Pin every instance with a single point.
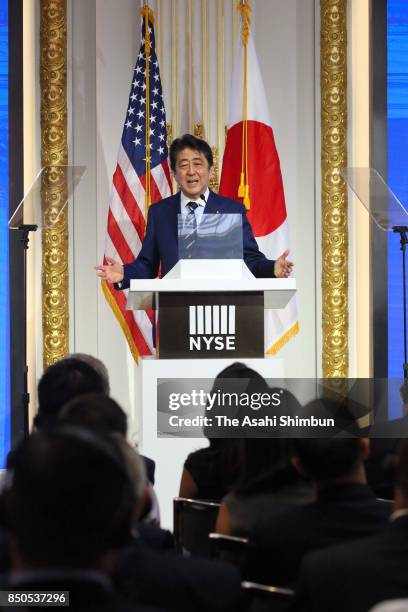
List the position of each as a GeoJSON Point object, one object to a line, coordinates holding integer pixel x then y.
{"type": "Point", "coordinates": [202, 197]}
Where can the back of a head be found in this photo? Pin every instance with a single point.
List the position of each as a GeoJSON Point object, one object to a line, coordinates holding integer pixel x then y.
{"type": "Point", "coordinates": [95, 411]}
{"type": "Point", "coordinates": [96, 364]}
{"type": "Point", "coordinates": [328, 459]}
{"type": "Point", "coordinates": [238, 370]}
{"type": "Point", "coordinates": [69, 499]}
{"type": "Point", "coordinates": [60, 383]}
{"type": "Point", "coordinates": [263, 464]}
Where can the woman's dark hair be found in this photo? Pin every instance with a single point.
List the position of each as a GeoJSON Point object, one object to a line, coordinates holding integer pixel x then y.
{"type": "Point", "coordinates": [188, 141]}
{"type": "Point", "coordinates": [239, 462]}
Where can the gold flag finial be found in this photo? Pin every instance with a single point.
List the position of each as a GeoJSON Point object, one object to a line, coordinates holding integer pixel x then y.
{"type": "Point", "coordinates": [147, 12]}
{"type": "Point", "coordinates": [245, 10]}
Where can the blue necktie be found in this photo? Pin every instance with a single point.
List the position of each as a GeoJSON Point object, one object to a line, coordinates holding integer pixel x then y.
{"type": "Point", "coordinates": [192, 207]}
{"type": "Point", "coordinates": [192, 221]}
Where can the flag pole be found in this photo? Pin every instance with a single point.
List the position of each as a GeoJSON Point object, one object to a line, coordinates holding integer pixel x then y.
{"type": "Point", "coordinates": [147, 13]}
{"type": "Point", "coordinates": [244, 8]}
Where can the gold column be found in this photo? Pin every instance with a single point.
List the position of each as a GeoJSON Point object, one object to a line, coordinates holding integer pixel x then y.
{"type": "Point", "coordinates": [54, 151]}
{"type": "Point", "coordinates": [333, 68]}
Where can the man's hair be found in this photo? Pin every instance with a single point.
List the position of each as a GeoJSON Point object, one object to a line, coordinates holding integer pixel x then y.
{"type": "Point", "coordinates": [325, 459]}
{"type": "Point", "coordinates": [97, 365]}
{"type": "Point", "coordinates": [95, 411]}
{"type": "Point", "coordinates": [188, 141]}
{"type": "Point", "coordinates": [69, 499]}
{"type": "Point", "coordinates": [60, 383]}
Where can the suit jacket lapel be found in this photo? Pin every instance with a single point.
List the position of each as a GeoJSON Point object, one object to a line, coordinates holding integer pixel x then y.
{"type": "Point", "coordinates": [176, 205]}
{"type": "Point", "coordinates": [212, 206]}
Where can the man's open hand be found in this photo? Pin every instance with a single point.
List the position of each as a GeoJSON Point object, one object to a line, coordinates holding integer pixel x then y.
{"type": "Point", "coordinates": [283, 267]}
{"type": "Point", "coordinates": [112, 272]}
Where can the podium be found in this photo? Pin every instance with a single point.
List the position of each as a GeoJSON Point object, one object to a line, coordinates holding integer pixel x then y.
{"type": "Point", "coordinates": [210, 314]}
{"type": "Point", "coordinates": [202, 316]}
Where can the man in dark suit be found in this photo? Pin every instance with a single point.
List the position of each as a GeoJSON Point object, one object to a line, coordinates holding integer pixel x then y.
{"type": "Point", "coordinates": [191, 163]}
{"type": "Point", "coordinates": [67, 508]}
{"type": "Point", "coordinates": [345, 508]}
{"type": "Point", "coordinates": [357, 575]}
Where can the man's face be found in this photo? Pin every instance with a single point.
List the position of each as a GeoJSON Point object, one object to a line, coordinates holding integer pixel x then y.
{"type": "Point", "coordinates": [192, 173]}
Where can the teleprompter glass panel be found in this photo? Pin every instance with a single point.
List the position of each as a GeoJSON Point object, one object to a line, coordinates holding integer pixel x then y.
{"type": "Point", "coordinates": [48, 197]}
{"type": "Point", "coordinates": [210, 236]}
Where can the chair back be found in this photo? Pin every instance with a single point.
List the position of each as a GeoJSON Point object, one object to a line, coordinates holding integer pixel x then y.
{"type": "Point", "coordinates": [267, 598]}
{"type": "Point", "coordinates": [231, 549]}
{"type": "Point", "coordinates": [194, 519]}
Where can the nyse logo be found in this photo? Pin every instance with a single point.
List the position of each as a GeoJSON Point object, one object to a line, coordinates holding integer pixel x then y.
{"type": "Point", "coordinates": [212, 328]}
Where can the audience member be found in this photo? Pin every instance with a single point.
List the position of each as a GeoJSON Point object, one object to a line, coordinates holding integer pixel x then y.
{"type": "Point", "coordinates": [97, 365]}
{"type": "Point", "coordinates": [95, 411]}
{"type": "Point", "coordinates": [60, 383]}
{"type": "Point", "coordinates": [345, 508]}
{"type": "Point", "coordinates": [357, 575]}
{"type": "Point", "coordinates": [102, 414]}
{"type": "Point", "coordinates": [266, 479]}
{"type": "Point", "coordinates": [175, 582]}
{"type": "Point", "coordinates": [209, 472]}
{"type": "Point", "coordinates": [67, 506]}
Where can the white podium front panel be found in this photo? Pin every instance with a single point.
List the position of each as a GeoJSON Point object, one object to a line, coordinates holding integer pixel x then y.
{"type": "Point", "coordinates": [277, 291]}
{"type": "Point", "coordinates": [170, 453]}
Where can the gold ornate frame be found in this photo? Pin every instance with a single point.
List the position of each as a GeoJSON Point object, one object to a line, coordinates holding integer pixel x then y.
{"type": "Point", "coordinates": [333, 70]}
{"type": "Point", "coordinates": [54, 151]}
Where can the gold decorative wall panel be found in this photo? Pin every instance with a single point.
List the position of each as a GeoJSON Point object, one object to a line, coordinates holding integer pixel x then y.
{"type": "Point", "coordinates": [333, 68]}
{"type": "Point", "coordinates": [54, 151]}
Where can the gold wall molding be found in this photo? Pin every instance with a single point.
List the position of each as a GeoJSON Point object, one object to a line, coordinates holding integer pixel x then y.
{"type": "Point", "coordinates": [54, 151]}
{"type": "Point", "coordinates": [333, 70]}
{"type": "Point", "coordinates": [215, 180]}
{"type": "Point", "coordinates": [198, 130]}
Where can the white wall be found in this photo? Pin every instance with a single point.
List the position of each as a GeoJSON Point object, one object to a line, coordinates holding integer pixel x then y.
{"type": "Point", "coordinates": [284, 33]}
{"type": "Point", "coordinates": [105, 40]}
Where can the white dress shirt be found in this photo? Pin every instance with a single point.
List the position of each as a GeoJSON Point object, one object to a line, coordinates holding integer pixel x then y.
{"type": "Point", "coordinates": [184, 200]}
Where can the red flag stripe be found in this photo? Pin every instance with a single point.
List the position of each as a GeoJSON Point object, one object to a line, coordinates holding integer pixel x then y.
{"type": "Point", "coordinates": [155, 195]}
{"type": "Point", "coordinates": [138, 337]}
{"type": "Point", "coordinates": [118, 240]}
{"type": "Point", "coordinates": [166, 169]}
{"type": "Point", "coordinates": [129, 202]}
{"type": "Point", "coordinates": [161, 178]}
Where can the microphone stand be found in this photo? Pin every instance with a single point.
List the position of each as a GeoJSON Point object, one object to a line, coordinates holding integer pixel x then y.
{"type": "Point", "coordinates": [402, 231]}
{"type": "Point", "coordinates": [25, 230]}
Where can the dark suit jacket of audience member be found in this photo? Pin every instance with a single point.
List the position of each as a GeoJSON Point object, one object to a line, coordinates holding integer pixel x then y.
{"type": "Point", "coordinates": [168, 580]}
{"type": "Point", "coordinates": [204, 468]}
{"type": "Point", "coordinates": [85, 594]}
{"type": "Point", "coordinates": [150, 535]}
{"type": "Point", "coordinates": [356, 575]}
{"type": "Point", "coordinates": [155, 537]}
{"type": "Point", "coordinates": [340, 513]}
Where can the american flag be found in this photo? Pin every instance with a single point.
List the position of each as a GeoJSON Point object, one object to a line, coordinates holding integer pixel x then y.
{"type": "Point", "coordinates": [127, 214]}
